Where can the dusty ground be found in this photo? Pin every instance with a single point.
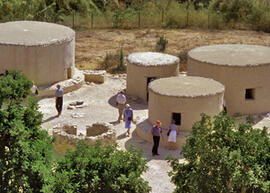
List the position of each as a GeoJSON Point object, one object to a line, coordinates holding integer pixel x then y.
{"type": "Point", "coordinates": [100, 100]}
{"type": "Point", "coordinates": [91, 48]}
{"type": "Point", "coordinates": [92, 45]}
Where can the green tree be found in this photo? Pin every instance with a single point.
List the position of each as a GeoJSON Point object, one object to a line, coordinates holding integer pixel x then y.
{"type": "Point", "coordinates": [223, 157]}
{"type": "Point", "coordinates": [100, 169]}
{"type": "Point", "coordinates": [25, 149]}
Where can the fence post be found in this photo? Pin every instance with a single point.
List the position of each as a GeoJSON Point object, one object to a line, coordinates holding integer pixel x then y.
{"type": "Point", "coordinates": [73, 20]}
{"type": "Point", "coordinates": [162, 16]}
{"type": "Point", "coordinates": [187, 9]}
{"type": "Point", "coordinates": [92, 20]}
{"type": "Point", "coordinates": [208, 19]}
{"type": "Point", "coordinates": [139, 19]}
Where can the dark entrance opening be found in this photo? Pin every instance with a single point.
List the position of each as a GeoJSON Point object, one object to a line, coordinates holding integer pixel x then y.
{"type": "Point", "coordinates": [250, 94]}
{"type": "Point", "coordinates": [149, 79]}
{"type": "Point", "coordinates": [177, 118]}
{"type": "Point", "coordinates": [69, 73]}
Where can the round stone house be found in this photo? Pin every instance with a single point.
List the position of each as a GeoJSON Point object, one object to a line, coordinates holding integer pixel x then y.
{"type": "Point", "coordinates": [243, 69]}
{"type": "Point", "coordinates": [183, 99]}
{"type": "Point", "coordinates": [144, 67]}
{"type": "Point", "coordinates": [45, 52]}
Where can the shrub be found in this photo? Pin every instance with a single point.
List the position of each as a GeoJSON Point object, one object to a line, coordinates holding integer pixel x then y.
{"type": "Point", "coordinates": [161, 44]}
{"type": "Point", "coordinates": [222, 157]}
{"type": "Point", "coordinates": [100, 169]}
{"type": "Point", "coordinates": [25, 149]}
{"type": "Point", "coordinates": [114, 63]}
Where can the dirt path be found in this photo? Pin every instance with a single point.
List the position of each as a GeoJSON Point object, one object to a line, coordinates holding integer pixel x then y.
{"type": "Point", "coordinates": [100, 107]}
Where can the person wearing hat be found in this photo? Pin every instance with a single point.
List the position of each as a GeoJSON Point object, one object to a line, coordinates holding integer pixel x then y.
{"type": "Point", "coordinates": [156, 132]}
{"type": "Point", "coordinates": [121, 102]}
{"type": "Point", "coordinates": [128, 117]}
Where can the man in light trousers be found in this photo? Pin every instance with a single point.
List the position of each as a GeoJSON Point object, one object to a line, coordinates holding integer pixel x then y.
{"type": "Point", "coordinates": [121, 102]}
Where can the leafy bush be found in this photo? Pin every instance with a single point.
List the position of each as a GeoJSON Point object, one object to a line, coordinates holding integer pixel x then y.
{"type": "Point", "coordinates": [114, 63]}
{"type": "Point", "coordinates": [25, 149]}
{"type": "Point", "coordinates": [14, 86]}
{"type": "Point", "coordinates": [222, 157]}
{"type": "Point", "coordinates": [100, 169]}
{"type": "Point", "coordinates": [161, 44]}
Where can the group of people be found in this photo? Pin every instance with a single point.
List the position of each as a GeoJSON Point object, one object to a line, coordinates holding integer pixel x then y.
{"type": "Point", "coordinates": [171, 133]}
{"type": "Point", "coordinates": [126, 111]}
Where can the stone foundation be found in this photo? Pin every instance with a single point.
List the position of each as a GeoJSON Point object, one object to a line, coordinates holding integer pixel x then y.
{"type": "Point", "coordinates": [67, 135]}
{"type": "Point", "coordinates": [96, 76]}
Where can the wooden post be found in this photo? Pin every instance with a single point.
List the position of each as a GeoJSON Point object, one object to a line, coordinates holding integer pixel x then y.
{"type": "Point", "coordinates": [139, 19]}
{"type": "Point", "coordinates": [92, 20]}
{"type": "Point", "coordinates": [73, 20]}
{"type": "Point", "coordinates": [162, 16]}
{"type": "Point", "coordinates": [208, 19]}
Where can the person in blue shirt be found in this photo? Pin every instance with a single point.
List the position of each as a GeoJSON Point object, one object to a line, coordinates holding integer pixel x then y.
{"type": "Point", "coordinates": [128, 117]}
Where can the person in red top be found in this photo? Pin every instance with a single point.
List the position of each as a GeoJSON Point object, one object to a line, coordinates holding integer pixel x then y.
{"type": "Point", "coordinates": [156, 131]}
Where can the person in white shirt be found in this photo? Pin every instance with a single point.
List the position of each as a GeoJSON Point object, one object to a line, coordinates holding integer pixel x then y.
{"type": "Point", "coordinates": [34, 90]}
{"type": "Point", "coordinates": [121, 102]}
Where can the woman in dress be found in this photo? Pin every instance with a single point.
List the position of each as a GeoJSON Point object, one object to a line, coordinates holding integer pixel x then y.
{"type": "Point", "coordinates": [128, 117]}
{"type": "Point", "coordinates": [172, 136]}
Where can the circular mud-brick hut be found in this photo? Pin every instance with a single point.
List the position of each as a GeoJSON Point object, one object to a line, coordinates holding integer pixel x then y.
{"type": "Point", "coordinates": [43, 51]}
{"type": "Point", "coordinates": [144, 67]}
{"type": "Point", "coordinates": [183, 99]}
{"type": "Point", "coordinates": [243, 69]}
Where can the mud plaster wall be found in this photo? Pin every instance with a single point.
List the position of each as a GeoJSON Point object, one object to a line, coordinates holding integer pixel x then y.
{"type": "Point", "coordinates": [137, 77]}
{"type": "Point", "coordinates": [161, 108]}
{"type": "Point", "coordinates": [44, 65]}
{"type": "Point", "coordinates": [236, 81]}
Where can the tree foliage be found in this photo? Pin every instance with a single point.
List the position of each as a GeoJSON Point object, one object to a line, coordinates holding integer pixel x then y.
{"type": "Point", "coordinates": [100, 169]}
{"type": "Point", "coordinates": [223, 157]}
{"type": "Point", "coordinates": [25, 149]}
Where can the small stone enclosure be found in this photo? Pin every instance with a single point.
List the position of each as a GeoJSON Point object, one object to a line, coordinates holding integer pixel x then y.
{"type": "Point", "coordinates": [68, 134]}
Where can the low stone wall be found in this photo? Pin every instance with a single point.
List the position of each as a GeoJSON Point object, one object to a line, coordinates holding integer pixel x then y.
{"type": "Point", "coordinates": [96, 76]}
{"type": "Point", "coordinates": [66, 135]}
{"type": "Point", "coordinates": [68, 85]}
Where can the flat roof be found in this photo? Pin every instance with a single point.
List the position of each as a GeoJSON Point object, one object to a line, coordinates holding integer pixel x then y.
{"type": "Point", "coordinates": [186, 86]}
{"type": "Point", "coordinates": [152, 59]}
{"type": "Point", "coordinates": [239, 55]}
{"type": "Point", "coordinates": [33, 33]}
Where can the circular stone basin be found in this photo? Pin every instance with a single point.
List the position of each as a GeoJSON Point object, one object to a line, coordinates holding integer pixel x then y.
{"type": "Point", "coordinates": [67, 135]}
{"type": "Point", "coordinates": [152, 59]}
{"type": "Point", "coordinates": [232, 55]}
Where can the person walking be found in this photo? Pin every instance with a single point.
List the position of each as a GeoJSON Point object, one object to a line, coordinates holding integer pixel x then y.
{"type": "Point", "coordinates": [121, 102]}
{"type": "Point", "coordinates": [128, 117]}
{"type": "Point", "coordinates": [172, 133]}
{"type": "Point", "coordinates": [156, 132]}
{"type": "Point", "coordinates": [59, 99]}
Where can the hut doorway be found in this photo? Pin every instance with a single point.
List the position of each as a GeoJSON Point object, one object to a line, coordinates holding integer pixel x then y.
{"type": "Point", "coordinates": [177, 118]}
{"type": "Point", "coordinates": [69, 75]}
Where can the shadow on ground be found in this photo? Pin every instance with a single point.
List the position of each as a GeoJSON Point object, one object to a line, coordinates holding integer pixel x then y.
{"type": "Point", "coordinates": [49, 119]}
{"type": "Point", "coordinates": [135, 105]}
{"type": "Point", "coordinates": [146, 147]}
